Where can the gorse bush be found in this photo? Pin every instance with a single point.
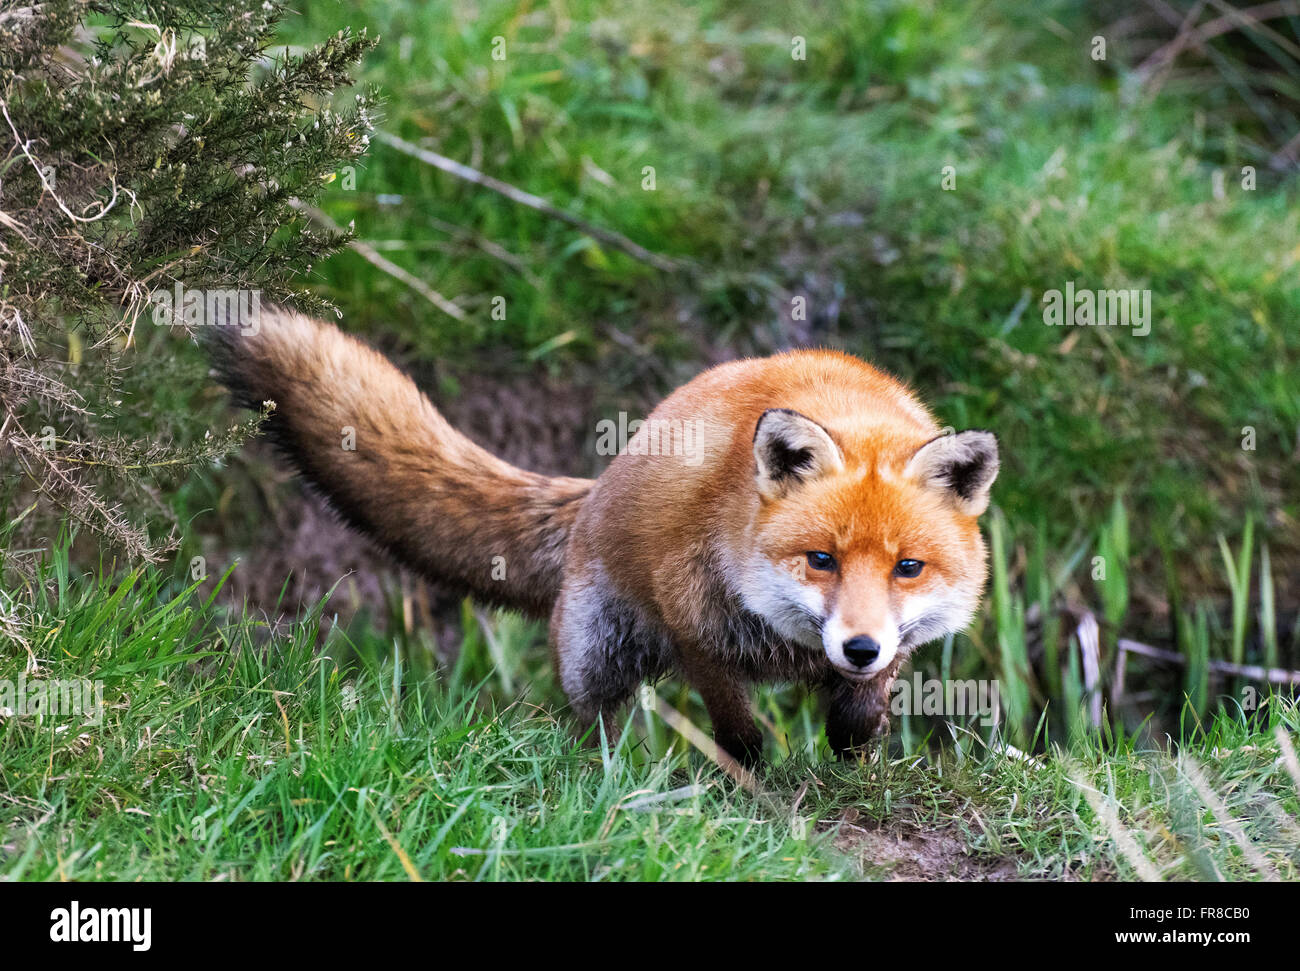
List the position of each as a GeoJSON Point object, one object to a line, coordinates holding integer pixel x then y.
{"type": "Point", "coordinates": [152, 151]}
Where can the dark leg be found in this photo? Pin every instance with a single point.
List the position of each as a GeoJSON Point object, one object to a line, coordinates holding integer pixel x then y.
{"type": "Point", "coordinates": [727, 699]}
{"type": "Point", "coordinates": [601, 655]}
{"type": "Point", "coordinates": [859, 711]}
{"type": "Point", "coordinates": [595, 692]}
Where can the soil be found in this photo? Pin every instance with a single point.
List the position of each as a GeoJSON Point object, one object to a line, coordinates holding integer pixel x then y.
{"type": "Point", "coordinates": [907, 852]}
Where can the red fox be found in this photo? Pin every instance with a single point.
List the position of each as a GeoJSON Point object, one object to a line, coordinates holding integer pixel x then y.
{"type": "Point", "coordinates": [808, 520]}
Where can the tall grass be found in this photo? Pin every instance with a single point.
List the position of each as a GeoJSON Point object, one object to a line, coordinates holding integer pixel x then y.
{"type": "Point", "coordinates": [228, 750]}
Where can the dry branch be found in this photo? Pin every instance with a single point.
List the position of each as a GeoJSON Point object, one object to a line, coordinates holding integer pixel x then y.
{"type": "Point", "coordinates": [469, 174]}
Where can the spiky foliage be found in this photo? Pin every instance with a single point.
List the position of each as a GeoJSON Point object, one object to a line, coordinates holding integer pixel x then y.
{"type": "Point", "coordinates": [146, 145]}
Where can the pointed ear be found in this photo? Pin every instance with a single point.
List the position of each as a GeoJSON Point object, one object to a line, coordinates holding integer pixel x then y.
{"type": "Point", "coordinates": [963, 465]}
{"type": "Point", "coordinates": [791, 449]}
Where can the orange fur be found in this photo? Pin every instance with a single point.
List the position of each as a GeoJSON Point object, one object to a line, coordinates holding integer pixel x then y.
{"type": "Point", "coordinates": [690, 558]}
{"type": "Point", "coordinates": [434, 499]}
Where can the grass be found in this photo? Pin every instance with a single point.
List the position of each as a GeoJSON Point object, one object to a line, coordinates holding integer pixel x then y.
{"type": "Point", "coordinates": [226, 753]}
{"type": "Point", "coordinates": [230, 751]}
{"type": "Point", "coordinates": [238, 759]}
{"type": "Point", "coordinates": [1148, 483]}
{"type": "Point", "coordinates": [820, 179]}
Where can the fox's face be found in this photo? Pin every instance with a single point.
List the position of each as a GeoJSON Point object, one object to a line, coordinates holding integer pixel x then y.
{"type": "Point", "coordinates": [866, 556]}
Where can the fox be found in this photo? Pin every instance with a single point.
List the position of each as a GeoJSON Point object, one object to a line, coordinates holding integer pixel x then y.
{"type": "Point", "coordinates": [806, 520]}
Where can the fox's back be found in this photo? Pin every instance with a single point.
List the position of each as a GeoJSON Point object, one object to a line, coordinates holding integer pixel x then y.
{"type": "Point", "coordinates": [686, 478]}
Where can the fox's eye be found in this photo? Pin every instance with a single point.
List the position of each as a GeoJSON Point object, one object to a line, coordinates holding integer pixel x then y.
{"type": "Point", "coordinates": [820, 561]}
{"type": "Point", "coordinates": [908, 568]}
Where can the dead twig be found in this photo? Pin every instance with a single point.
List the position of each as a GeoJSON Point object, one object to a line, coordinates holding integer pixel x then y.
{"type": "Point", "coordinates": [371, 256]}
{"type": "Point", "coordinates": [1089, 636]}
{"type": "Point", "coordinates": [1254, 672]}
{"type": "Point", "coordinates": [465, 172]}
{"type": "Point", "coordinates": [1251, 18]}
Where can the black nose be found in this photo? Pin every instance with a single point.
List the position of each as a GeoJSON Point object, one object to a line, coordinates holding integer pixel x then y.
{"type": "Point", "coordinates": [861, 650]}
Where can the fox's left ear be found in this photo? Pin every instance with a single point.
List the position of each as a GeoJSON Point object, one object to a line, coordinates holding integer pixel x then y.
{"type": "Point", "coordinates": [790, 449]}
{"type": "Point", "coordinates": [964, 465]}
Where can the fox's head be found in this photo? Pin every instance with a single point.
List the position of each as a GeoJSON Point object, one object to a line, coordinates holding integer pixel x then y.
{"type": "Point", "coordinates": [871, 553]}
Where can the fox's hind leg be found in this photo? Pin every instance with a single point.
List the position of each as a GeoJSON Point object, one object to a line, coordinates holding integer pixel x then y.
{"type": "Point", "coordinates": [859, 711]}
{"type": "Point", "coordinates": [602, 650]}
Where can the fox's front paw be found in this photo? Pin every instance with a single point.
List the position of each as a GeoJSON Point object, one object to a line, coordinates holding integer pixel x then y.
{"type": "Point", "coordinates": [857, 741]}
{"type": "Point", "coordinates": [859, 713]}
{"type": "Point", "coordinates": [747, 748]}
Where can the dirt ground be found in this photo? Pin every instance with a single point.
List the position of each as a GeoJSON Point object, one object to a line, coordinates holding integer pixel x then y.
{"type": "Point", "coordinates": [907, 852]}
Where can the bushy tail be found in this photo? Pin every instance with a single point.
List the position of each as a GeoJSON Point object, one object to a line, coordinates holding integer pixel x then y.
{"type": "Point", "coordinates": [439, 503]}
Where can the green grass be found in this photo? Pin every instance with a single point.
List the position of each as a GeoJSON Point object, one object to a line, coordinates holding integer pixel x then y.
{"type": "Point", "coordinates": [821, 178]}
{"type": "Point", "coordinates": [1126, 491]}
{"type": "Point", "coordinates": [228, 751]}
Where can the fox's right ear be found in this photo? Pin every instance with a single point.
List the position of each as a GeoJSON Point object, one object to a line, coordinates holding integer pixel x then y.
{"type": "Point", "coordinates": [963, 465]}
{"type": "Point", "coordinates": [789, 449]}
